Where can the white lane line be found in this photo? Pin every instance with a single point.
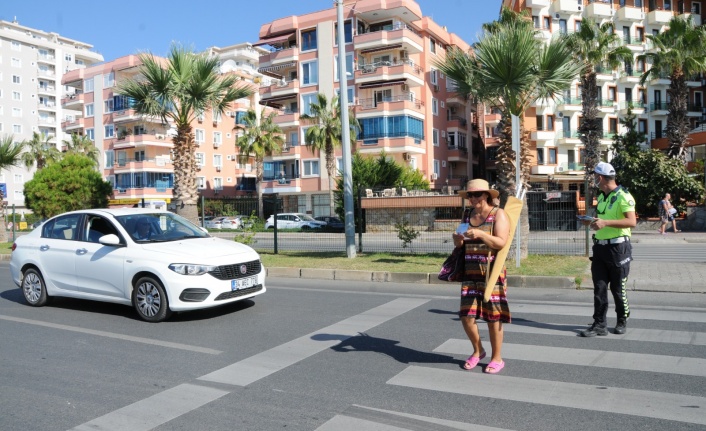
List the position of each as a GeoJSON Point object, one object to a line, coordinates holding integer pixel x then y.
{"type": "Point", "coordinates": [358, 418]}
{"type": "Point", "coordinates": [132, 338]}
{"type": "Point", "coordinates": [589, 358]}
{"type": "Point", "coordinates": [658, 405]}
{"type": "Point", "coordinates": [263, 364]}
{"type": "Point", "coordinates": [633, 334]}
{"type": "Point", "coordinates": [155, 410]}
{"type": "Point", "coordinates": [587, 310]}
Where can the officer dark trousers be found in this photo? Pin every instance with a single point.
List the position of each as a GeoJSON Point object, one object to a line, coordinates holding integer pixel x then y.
{"type": "Point", "coordinates": [610, 265]}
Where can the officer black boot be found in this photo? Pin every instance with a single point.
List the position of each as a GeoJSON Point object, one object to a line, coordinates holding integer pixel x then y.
{"type": "Point", "coordinates": [594, 330]}
{"type": "Point", "coordinates": [621, 325]}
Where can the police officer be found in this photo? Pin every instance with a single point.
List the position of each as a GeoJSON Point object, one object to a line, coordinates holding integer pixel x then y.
{"type": "Point", "coordinates": [612, 251]}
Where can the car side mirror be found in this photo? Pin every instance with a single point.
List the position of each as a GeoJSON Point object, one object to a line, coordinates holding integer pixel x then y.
{"type": "Point", "coordinates": [111, 239]}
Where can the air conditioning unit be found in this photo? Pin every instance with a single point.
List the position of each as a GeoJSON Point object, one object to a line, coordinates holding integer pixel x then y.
{"type": "Point", "coordinates": [229, 157]}
{"type": "Point", "coordinates": [580, 8]}
{"type": "Point", "coordinates": [216, 144]}
{"type": "Point", "coordinates": [557, 16]}
{"type": "Point", "coordinates": [218, 168]}
{"type": "Point", "coordinates": [559, 115]}
{"type": "Point", "coordinates": [200, 118]}
{"type": "Point", "coordinates": [560, 169]}
{"type": "Point", "coordinates": [443, 163]}
{"type": "Point", "coordinates": [436, 88]}
{"type": "Point", "coordinates": [405, 87]}
{"type": "Point", "coordinates": [434, 176]}
{"type": "Point", "coordinates": [443, 133]}
{"type": "Point", "coordinates": [230, 114]}
{"type": "Point", "coordinates": [443, 105]}
{"type": "Point", "coordinates": [404, 55]}
{"type": "Point", "coordinates": [406, 157]}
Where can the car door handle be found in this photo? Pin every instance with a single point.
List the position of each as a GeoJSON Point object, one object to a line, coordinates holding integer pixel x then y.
{"type": "Point", "coordinates": [81, 251]}
{"type": "Point", "coordinates": [43, 247]}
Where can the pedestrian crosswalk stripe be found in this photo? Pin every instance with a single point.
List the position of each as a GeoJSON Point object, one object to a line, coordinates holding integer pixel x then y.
{"type": "Point", "coordinates": [633, 334]}
{"type": "Point", "coordinates": [589, 358]}
{"type": "Point", "coordinates": [587, 312]}
{"type": "Point", "coordinates": [357, 418]}
{"type": "Point", "coordinates": [658, 405]}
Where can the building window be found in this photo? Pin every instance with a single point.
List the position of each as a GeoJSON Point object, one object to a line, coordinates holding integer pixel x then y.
{"type": "Point", "coordinates": [432, 45]}
{"type": "Point", "coordinates": [199, 136]}
{"type": "Point", "coordinates": [349, 67]}
{"type": "Point", "coordinates": [434, 106]}
{"type": "Point", "coordinates": [540, 122]}
{"type": "Point", "coordinates": [436, 168]}
{"type": "Point", "coordinates": [433, 76]}
{"type": "Point", "coordinates": [311, 167]}
{"type": "Point", "coordinates": [108, 106]}
{"type": "Point", "coordinates": [642, 126]}
{"type": "Point", "coordinates": [217, 160]}
{"type": "Point", "coordinates": [349, 92]}
{"type": "Point", "coordinates": [347, 32]}
{"type": "Point", "coordinates": [16, 46]}
{"type": "Point", "coordinates": [109, 80]}
{"type": "Point", "coordinates": [16, 79]}
{"type": "Point", "coordinates": [217, 139]}
{"type": "Point", "coordinates": [552, 156]}
{"type": "Point", "coordinates": [391, 127]}
{"type": "Point", "coordinates": [16, 128]}
{"type": "Point", "coordinates": [540, 156]}
{"type": "Point", "coordinates": [307, 100]}
{"type": "Point", "coordinates": [16, 112]}
{"type": "Point", "coordinates": [612, 94]}
{"type": "Point", "coordinates": [308, 41]}
{"type": "Point", "coordinates": [88, 85]}
{"type": "Point", "coordinates": [435, 137]}
{"type": "Point", "coordinates": [91, 134]}
{"type": "Point", "coordinates": [310, 73]}
{"type": "Point", "coordinates": [16, 95]}
{"type": "Point", "coordinates": [109, 131]}
{"type": "Point", "coordinates": [201, 182]}
{"type": "Point", "coordinates": [550, 123]}
{"type": "Point", "coordinates": [200, 159]}
{"type": "Point", "coordinates": [613, 125]}
{"type": "Point", "coordinates": [89, 110]}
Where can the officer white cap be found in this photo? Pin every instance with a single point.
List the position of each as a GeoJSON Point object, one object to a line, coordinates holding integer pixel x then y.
{"type": "Point", "coordinates": [604, 168]}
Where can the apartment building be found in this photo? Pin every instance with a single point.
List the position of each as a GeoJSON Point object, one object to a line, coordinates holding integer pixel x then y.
{"type": "Point", "coordinates": [554, 124]}
{"type": "Point", "coordinates": [405, 107]}
{"type": "Point", "coordinates": [32, 65]}
{"type": "Point", "coordinates": [136, 150]}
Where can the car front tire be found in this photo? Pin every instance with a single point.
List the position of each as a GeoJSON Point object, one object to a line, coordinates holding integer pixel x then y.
{"type": "Point", "coordinates": [33, 288]}
{"type": "Point", "coordinates": [150, 300]}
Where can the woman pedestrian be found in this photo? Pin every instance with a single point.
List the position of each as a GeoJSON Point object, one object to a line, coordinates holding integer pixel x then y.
{"type": "Point", "coordinates": [484, 230]}
{"type": "Point", "coordinates": [667, 214]}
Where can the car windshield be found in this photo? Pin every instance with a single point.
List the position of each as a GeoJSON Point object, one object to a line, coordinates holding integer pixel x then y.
{"type": "Point", "coordinates": [305, 217]}
{"type": "Point", "coordinates": [159, 227]}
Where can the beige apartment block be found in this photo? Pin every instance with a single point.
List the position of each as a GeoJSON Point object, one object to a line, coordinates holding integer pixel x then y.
{"type": "Point", "coordinates": [32, 65]}
{"type": "Point", "coordinates": [136, 150]}
{"type": "Point", "coordinates": [558, 150]}
{"type": "Point", "coordinates": [405, 106]}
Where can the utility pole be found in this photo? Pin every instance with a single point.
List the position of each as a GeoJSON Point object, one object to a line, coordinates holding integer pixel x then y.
{"type": "Point", "coordinates": [345, 136]}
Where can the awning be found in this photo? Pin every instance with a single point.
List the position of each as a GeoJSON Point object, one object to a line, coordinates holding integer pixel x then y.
{"type": "Point", "coordinates": [274, 101]}
{"type": "Point", "coordinates": [380, 48]}
{"type": "Point", "coordinates": [276, 67]}
{"type": "Point", "coordinates": [273, 40]}
{"type": "Point", "coordinates": [382, 83]}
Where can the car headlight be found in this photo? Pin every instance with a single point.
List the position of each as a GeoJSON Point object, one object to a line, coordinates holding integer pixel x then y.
{"type": "Point", "coordinates": [191, 269]}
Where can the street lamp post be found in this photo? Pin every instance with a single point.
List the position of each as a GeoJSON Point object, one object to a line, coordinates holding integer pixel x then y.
{"type": "Point", "coordinates": [345, 136]}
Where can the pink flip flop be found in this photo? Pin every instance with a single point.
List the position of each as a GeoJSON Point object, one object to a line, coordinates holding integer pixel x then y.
{"type": "Point", "coordinates": [472, 361]}
{"type": "Point", "coordinates": [494, 367]}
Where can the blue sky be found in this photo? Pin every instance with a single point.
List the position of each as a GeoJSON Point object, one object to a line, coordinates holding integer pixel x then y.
{"type": "Point", "coordinates": [125, 27]}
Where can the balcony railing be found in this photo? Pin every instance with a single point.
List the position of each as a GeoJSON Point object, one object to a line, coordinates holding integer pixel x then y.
{"type": "Point", "coordinates": [125, 162]}
{"type": "Point", "coordinates": [373, 102]}
{"type": "Point", "coordinates": [570, 166]}
{"type": "Point", "coordinates": [658, 106]}
{"type": "Point", "coordinates": [372, 67]}
{"type": "Point", "coordinates": [393, 27]}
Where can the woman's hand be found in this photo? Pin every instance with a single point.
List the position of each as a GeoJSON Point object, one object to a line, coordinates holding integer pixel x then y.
{"type": "Point", "coordinates": [475, 234]}
{"type": "Point", "coordinates": [458, 239]}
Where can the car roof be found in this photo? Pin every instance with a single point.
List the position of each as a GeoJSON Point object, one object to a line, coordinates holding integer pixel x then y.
{"type": "Point", "coordinates": [116, 211]}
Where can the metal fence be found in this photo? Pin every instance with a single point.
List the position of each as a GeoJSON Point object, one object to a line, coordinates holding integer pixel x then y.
{"type": "Point", "coordinates": [395, 220]}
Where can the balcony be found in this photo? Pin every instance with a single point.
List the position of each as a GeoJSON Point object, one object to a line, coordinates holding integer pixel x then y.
{"type": "Point", "coordinates": [542, 169]}
{"type": "Point", "coordinates": [279, 58]}
{"type": "Point", "coordinates": [46, 73]}
{"type": "Point", "coordinates": [570, 137]}
{"type": "Point", "coordinates": [287, 118]}
{"type": "Point", "coordinates": [629, 13]}
{"type": "Point", "coordinates": [696, 18]}
{"type": "Point", "coordinates": [630, 76]}
{"type": "Point", "coordinates": [565, 6]}
{"type": "Point", "coordinates": [570, 167]}
{"type": "Point", "coordinates": [493, 119]}
{"type": "Point", "coordinates": [372, 107]}
{"type": "Point", "coordinates": [606, 106]}
{"type": "Point", "coordinates": [599, 9]}
{"type": "Point", "coordinates": [280, 90]}
{"type": "Point", "coordinates": [402, 144]}
{"type": "Point", "coordinates": [659, 17]}
{"type": "Point", "coordinates": [660, 80]}
{"type": "Point", "coordinates": [143, 140]}
{"type": "Point", "coordinates": [693, 81]}
{"type": "Point", "coordinates": [456, 122]}
{"type": "Point", "coordinates": [125, 115]}
{"type": "Point", "coordinates": [659, 108]}
{"type": "Point", "coordinates": [134, 193]}
{"type": "Point", "coordinates": [570, 104]}
{"type": "Point", "coordinates": [604, 74]}
{"type": "Point", "coordinates": [694, 109]}
{"type": "Point", "coordinates": [73, 124]}
{"type": "Point", "coordinates": [46, 89]}
{"type": "Point", "coordinates": [46, 106]}
{"type": "Point", "coordinates": [457, 153]}
{"type": "Point", "coordinates": [373, 73]}
{"type": "Point", "coordinates": [538, 3]}
{"type": "Point", "coordinates": [133, 164]}
{"type": "Point", "coordinates": [73, 101]}
{"type": "Point", "coordinates": [636, 44]}
{"type": "Point", "coordinates": [398, 36]}
{"type": "Point", "coordinates": [636, 107]}
{"type": "Point", "coordinates": [46, 58]}
{"type": "Point", "coordinates": [543, 135]}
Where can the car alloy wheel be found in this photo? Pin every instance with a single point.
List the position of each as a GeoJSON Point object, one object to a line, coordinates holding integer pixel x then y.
{"type": "Point", "coordinates": [33, 288]}
{"type": "Point", "coordinates": [150, 300]}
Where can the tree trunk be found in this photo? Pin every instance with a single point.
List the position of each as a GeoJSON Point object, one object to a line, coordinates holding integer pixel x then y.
{"type": "Point", "coordinates": [258, 187]}
{"type": "Point", "coordinates": [185, 189]}
{"type": "Point", "coordinates": [591, 129]}
{"type": "Point", "coordinates": [677, 120]}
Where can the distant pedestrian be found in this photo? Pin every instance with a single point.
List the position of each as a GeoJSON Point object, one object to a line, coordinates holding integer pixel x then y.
{"type": "Point", "coordinates": [483, 231]}
{"type": "Point", "coordinates": [612, 250]}
{"type": "Point", "coordinates": [667, 213]}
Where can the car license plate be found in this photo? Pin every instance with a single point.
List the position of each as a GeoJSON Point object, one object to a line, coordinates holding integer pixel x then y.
{"type": "Point", "coordinates": [243, 283]}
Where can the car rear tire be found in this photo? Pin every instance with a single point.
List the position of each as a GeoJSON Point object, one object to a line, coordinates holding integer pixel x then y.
{"type": "Point", "coordinates": [33, 288]}
{"type": "Point", "coordinates": [150, 300]}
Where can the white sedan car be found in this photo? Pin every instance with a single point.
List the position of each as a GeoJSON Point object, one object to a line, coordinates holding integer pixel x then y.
{"type": "Point", "coordinates": [156, 261]}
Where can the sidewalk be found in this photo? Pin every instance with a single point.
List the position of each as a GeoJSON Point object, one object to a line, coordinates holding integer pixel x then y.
{"type": "Point", "coordinates": [656, 276]}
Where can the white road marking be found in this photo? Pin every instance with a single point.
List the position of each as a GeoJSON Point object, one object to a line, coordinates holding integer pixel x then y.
{"type": "Point", "coordinates": [150, 341]}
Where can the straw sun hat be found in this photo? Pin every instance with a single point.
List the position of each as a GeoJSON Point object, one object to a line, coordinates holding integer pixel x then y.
{"type": "Point", "coordinates": [478, 185]}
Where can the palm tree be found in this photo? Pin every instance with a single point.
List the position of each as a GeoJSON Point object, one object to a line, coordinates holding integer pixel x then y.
{"type": "Point", "coordinates": [680, 53]}
{"type": "Point", "coordinates": [260, 137]}
{"type": "Point", "coordinates": [40, 150]}
{"type": "Point", "coordinates": [10, 155]}
{"type": "Point", "coordinates": [177, 90]}
{"type": "Point", "coordinates": [511, 68]}
{"type": "Point", "coordinates": [82, 144]}
{"type": "Point", "coordinates": [324, 136]}
{"type": "Point", "coordinates": [597, 48]}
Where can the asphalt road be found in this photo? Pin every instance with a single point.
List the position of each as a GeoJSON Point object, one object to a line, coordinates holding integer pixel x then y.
{"type": "Point", "coordinates": [318, 355]}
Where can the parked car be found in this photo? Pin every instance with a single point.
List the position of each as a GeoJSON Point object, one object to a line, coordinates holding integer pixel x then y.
{"type": "Point", "coordinates": [214, 223]}
{"type": "Point", "coordinates": [332, 223]}
{"type": "Point", "coordinates": [156, 261]}
{"type": "Point", "coordinates": [294, 221]}
{"type": "Point", "coordinates": [231, 223]}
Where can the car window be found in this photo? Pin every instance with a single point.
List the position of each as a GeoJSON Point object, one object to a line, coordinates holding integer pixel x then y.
{"type": "Point", "coordinates": [305, 217]}
{"type": "Point", "coordinates": [62, 227]}
{"type": "Point", "coordinates": [96, 227]}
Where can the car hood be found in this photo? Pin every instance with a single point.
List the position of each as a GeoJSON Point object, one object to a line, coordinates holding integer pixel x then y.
{"type": "Point", "coordinates": [201, 250]}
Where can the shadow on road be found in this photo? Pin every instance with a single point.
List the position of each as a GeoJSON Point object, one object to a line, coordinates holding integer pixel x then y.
{"type": "Point", "coordinates": [391, 348]}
